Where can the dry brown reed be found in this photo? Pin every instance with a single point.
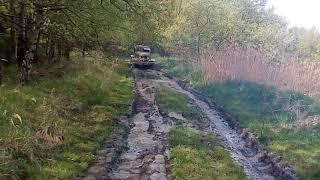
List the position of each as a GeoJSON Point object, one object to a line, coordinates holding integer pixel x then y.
{"type": "Point", "coordinates": [252, 65]}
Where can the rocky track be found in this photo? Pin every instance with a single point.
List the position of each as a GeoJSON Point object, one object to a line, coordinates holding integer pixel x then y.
{"type": "Point", "coordinates": [140, 151]}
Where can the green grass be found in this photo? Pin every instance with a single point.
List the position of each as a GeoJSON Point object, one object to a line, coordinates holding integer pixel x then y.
{"type": "Point", "coordinates": [264, 111]}
{"type": "Point", "coordinates": [80, 100]}
{"type": "Point", "coordinates": [171, 101]}
{"type": "Point", "coordinates": [255, 106]}
{"type": "Point", "coordinates": [199, 156]}
{"type": "Point", "coordinates": [182, 70]}
{"type": "Point", "coordinates": [193, 155]}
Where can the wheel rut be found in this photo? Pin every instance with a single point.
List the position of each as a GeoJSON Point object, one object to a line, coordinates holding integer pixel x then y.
{"type": "Point", "coordinates": [244, 148]}
{"type": "Point", "coordinates": [140, 151]}
{"type": "Point", "coordinates": [146, 144]}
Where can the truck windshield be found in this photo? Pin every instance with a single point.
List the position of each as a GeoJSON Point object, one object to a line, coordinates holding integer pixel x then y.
{"type": "Point", "coordinates": [146, 50]}
{"type": "Point", "coordinates": [143, 49]}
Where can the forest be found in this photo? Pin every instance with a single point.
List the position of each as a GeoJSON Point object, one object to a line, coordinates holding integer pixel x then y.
{"type": "Point", "coordinates": [35, 32]}
{"type": "Point", "coordinates": [62, 62]}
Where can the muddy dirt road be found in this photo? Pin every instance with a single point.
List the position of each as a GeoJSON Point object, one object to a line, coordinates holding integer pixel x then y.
{"type": "Point", "coordinates": [141, 151]}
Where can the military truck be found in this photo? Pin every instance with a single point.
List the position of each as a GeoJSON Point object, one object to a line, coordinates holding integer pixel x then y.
{"type": "Point", "coordinates": [142, 56]}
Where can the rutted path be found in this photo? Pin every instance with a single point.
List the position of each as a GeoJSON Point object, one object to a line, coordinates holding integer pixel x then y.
{"type": "Point", "coordinates": [140, 152]}
{"type": "Point", "coordinates": [145, 157]}
{"type": "Point", "coordinates": [246, 151]}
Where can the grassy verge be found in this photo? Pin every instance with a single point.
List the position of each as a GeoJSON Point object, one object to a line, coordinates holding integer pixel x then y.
{"type": "Point", "coordinates": [194, 155]}
{"type": "Point", "coordinates": [262, 110]}
{"type": "Point", "coordinates": [273, 115]}
{"type": "Point", "coordinates": [50, 128]}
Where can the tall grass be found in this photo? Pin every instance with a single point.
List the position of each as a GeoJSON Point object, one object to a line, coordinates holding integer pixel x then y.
{"type": "Point", "coordinates": [285, 120]}
{"type": "Point", "coordinates": [51, 127]}
{"type": "Point", "coordinates": [252, 65]}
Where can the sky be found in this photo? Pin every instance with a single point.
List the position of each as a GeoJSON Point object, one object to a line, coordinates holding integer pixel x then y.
{"type": "Point", "coordinates": [302, 13]}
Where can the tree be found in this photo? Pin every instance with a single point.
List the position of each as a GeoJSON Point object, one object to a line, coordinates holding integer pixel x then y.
{"type": "Point", "coordinates": [50, 28]}
{"type": "Point", "coordinates": [221, 23]}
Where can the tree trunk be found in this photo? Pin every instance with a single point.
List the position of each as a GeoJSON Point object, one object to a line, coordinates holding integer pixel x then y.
{"type": "Point", "coordinates": [28, 32]}
{"type": "Point", "coordinates": [198, 44]}
{"type": "Point", "coordinates": [66, 52]}
{"type": "Point", "coordinates": [36, 53]}
{"type": "Point", "coordinates": [13, 38]}
{"type": "Point", "coordinates": [1, 72]}
{"type": "Point", "coordinates": [33, 34]}
{"type": "Point", "coordinates": [59, 51]}
{"type": "Point", "coordinates": [51, 52]}
{"type": "Point", "coordinates": [47, 47]}
{"type": "Point", "coordinates": [21, 44]}
{"type": "Point", "coordinates": [84, 51]}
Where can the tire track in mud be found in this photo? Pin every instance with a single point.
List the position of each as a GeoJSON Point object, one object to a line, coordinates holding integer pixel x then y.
{"type": "Point", "coordinates": [146, 143]}
{"type": "Point", "coordinates": [139, 151]}
{"type": "Point", "coordinates": [244, 148]}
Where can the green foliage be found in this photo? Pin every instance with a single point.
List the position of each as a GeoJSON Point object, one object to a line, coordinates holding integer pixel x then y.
{"type": "Point", "coordinates": [89, 24]}
{"type": "Point", "coordinates": [200, 24]}
{"type": "Point", "coordinates": [219, 23]}
{"type": "Point", "coordinates": [304, 43]}
{"type": "Point", "coordinates": [195, 156]}
{"type": "Point", "coordinates": [81, 105]}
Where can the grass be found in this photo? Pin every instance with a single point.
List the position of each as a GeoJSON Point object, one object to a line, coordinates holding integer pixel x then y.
{"type": "Point", "coordinates": [199, 156]}
{"type": "Point", "coordinates": [255, 106]}
{"type": "Point", "coordinates": [51, 127]}
{"type": "Point", "coordinates": [194, 155]}
{"type": "Point", "coordinates": [182, 70]}
{"type": "Point", "coordinates": [271, 114]}
{"type": "Point", "coordinates": [171, 101]}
